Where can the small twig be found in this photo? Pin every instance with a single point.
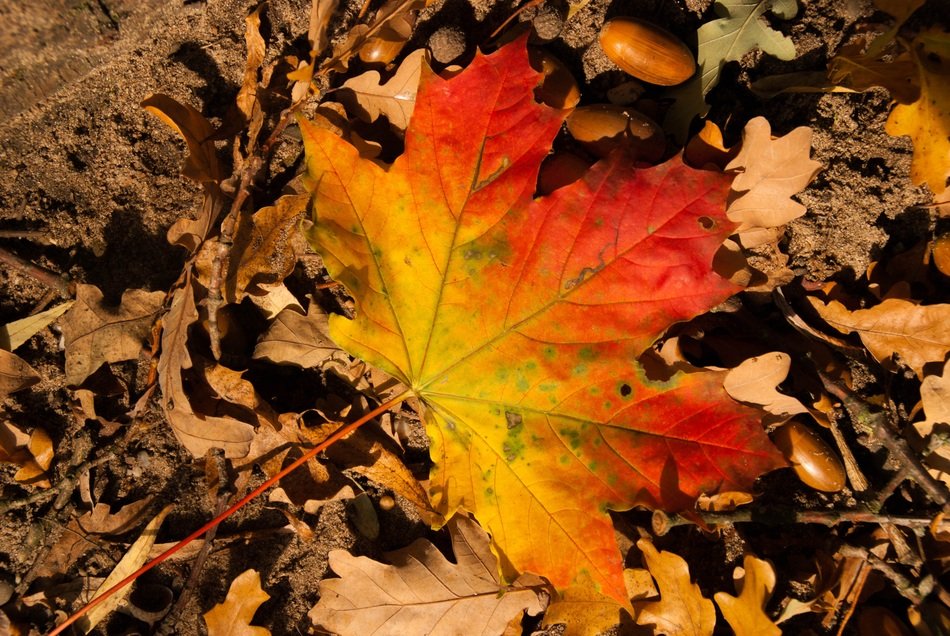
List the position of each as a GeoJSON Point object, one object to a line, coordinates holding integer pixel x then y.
{"type": "Point", "coordinates": [170, 622]}
{"type": "Point", "coordinates": [858, 481]}
{"type": "Point", "coordinates": [875, 424]}
{"type": "Point", "coordinates": [34, 236]}
{"type": "Point", "coordinates": [527, 5]}
{"type": "Point", "coordinates": [851, 598]}
{"type": "Point", "coordinates": [913, 593]}
{"type": "Point", "coordinates": [662, 523]}
{"type": "Point", "coordinates": [64, 485]}
{"type": "Point", "coordinates": [40, 274]}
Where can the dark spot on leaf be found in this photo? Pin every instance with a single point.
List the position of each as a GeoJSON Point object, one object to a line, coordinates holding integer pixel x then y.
{"type": "Point", "coordinates": [625, 390]}
{"type": "Point", "coordinates": [513, 419]}
{"type": "Point", "coordinates": [706, 223]}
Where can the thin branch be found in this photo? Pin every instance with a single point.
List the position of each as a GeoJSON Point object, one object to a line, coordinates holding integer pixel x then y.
{"type": "Point", "coordinates": [40, 274]}
{"type": "Point", "coordinates": [64, 485]}
{"type": "Point", "coordinates": [663, 523]}
{"type": "Point", "coordinates": [866, 421]}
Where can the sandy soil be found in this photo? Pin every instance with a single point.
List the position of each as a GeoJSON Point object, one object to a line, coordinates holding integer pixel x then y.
{"type": "Point", "coordinates": [82, 164]}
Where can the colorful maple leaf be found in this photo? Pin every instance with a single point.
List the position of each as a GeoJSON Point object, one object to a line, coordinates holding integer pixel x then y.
{"type": "Point", "coordinates": [518, 321]}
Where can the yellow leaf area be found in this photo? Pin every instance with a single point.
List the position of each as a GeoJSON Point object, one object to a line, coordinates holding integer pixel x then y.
{"type": "Point", "coordinates": [233, 616]}
{"type": "Point", "coordinates": [746, 613]}
{"type": "Point", "coordinates": [682, 609]}
{"type": "Point", "coordinates": [927, 120]}
{"type": "Point", "coordinates": [517, 321]}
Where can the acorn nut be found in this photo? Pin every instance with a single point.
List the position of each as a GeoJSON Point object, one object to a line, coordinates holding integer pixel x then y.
{"type": "Point", "coordinates": [647, 52]}
{"type": "Point", "coordinates": [558, 88]}
{"type": "Point", "coordinates": [811, 458]}
{"type": "Point", "coordinates": [380, 50]}
{"type": "Point", "coordinates": [601, 128]}
{"type": "Point", "coordinates": [560, 169]}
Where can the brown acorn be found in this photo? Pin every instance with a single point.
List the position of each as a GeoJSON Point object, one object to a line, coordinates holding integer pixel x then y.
{"type": "Point", "coordinates": [810, 456]}
{"type": "Point", "coordinates": [560, 169]}
{"type": "Point", "coordinates": [646, 137]}
{"type": "Point", "coordinates": [558, 88]}
{"type": "Point", "coordinates": [647, 51]}
{"type": "Point", "coordinates": [601, 128]}
{"type": "Point", "coordinates": [383, 47]}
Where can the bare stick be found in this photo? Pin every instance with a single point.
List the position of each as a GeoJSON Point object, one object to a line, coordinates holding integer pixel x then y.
{"type": "Point", "coordinates": [34, 236]}
{"type": "Point", "coordinates": [40, 274]}
{"type": "Point", "coordinates": [66, 484]}
{"type": "Point", "coordinates": [340, 433]}
{"type": "Point", "coordinates": [875, 424]}
{"type": "Point", "coordinates": [913, 593]}
{"type": "Point", "coordinates": [663, 523]}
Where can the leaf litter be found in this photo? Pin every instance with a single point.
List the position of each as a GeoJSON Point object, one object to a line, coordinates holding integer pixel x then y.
{"type": "Point", "coordinates": [224, 403]}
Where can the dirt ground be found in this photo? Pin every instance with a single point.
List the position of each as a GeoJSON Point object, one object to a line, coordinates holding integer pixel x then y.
{"type": "Point", "coordinates": [94, 183]}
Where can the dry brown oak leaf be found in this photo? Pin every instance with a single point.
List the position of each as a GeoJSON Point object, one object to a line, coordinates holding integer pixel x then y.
{"type": "Point", "coordinates": [422, 592]}
{"type": "Point", "coordinates": [96, 333]}
{"type": "Point", "coordinates": [918, 333]}
{"type": "Point", "coordinates": [517, 321]}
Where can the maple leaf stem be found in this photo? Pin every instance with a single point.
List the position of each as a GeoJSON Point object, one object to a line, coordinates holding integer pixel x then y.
{"type": "Point", "coordinates": [339, 434]}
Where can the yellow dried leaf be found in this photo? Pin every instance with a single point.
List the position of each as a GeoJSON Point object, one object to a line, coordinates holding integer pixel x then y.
{"type": "Point", "coordinates": [13, 334]}
{"type": "Point", "coordinates": [233, 616]}
{"type": "Point", "coordinates": [15, 373]}
{"type": "Point", "coordinates": [927, 120]}
{"type": "Point", "coordinates": [755, 381]}
{"type": "Point", "coordinates": [132, 561]}
{"type": "Point", "coordinates": [682, 609]}
{"type": "Point", "coordinates": [583, 612]}
{"type": "Point", "coordinates": [918, 333]}
{"type": "Point", "coordinates": [746, 613]}
{"type": "Point", "coordinates": [41, 447]}
{"type": "Point", "coordinates": [771, 171]}
{"type": "Point", "coordinates": [708, 147]}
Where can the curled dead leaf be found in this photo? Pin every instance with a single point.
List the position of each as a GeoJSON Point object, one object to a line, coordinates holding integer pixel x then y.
{"type": "Point", "coordinates": [755, 381]}
{"type": "Point", "coordinates": [31, 452]}
{"type": "Point", "coordinates": [15, 373]}
{"type": "Point", "coordinates": [370, 98]}
{"type": "Point", "coordinates": [197, 432]}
